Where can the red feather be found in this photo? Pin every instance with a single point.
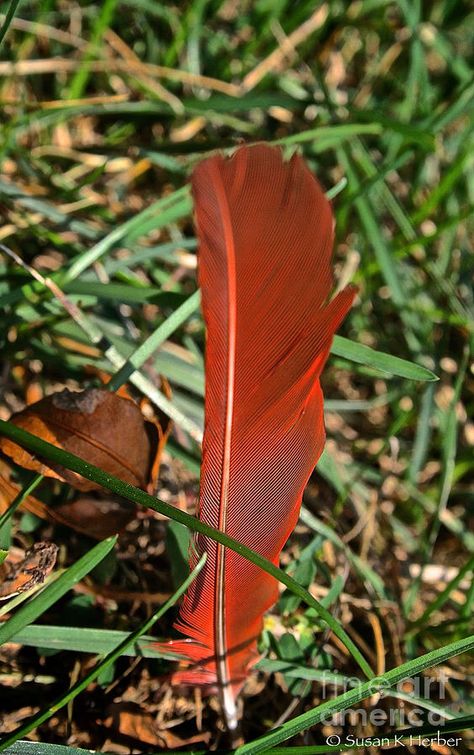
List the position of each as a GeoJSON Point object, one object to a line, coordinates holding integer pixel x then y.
{"type": "Point", "coordinates": [265, 243]}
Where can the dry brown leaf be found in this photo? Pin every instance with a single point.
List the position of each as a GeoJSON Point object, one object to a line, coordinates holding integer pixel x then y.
{"type": "Point", "coordinates": [29, 571]}
{"type": "Point", "coordinates": [96, 517]}
{"type": "Point", "coordinates": [100, 427]}
{"type": "Point", "coordinates": [131, 722]}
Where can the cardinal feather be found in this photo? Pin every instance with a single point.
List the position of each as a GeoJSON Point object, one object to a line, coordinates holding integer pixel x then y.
{"type": "Point", "coordinates": [265, 243]}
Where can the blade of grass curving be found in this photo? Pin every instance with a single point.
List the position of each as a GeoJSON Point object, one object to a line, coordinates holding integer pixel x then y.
{"type": "Point", "coordinates": [124, 293]}
{"type": "Point", "coordinates": [90, 472]}
{"type": "Point", "coordinates": [109, 659]}
{"type": "Point", "coordinates": [351, 697]}
{"type": "Point", "coordinates": [55, 590]}
{"type": "Point", "coordinates": [328, 677]}
{"type": "Point", "coordinates": [331, 136]}
{"type": "Point", "coordinates": [143, 352]}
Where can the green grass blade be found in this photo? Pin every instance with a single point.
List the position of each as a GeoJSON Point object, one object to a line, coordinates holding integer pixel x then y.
{"type": "Point", "coordinates": [109, 659]}
{"type": "Point", "coordinates": [361, 567]}
{"type": "Point", "coordinates": [102, 22]}
{"type": "Point", "coordinates": [81, 640]}
{"type": "Point", "coordinates": [354, 696]}
{"type": "Point", "coordinates": [444, 595]}
{"type": "Point", "coordinates": [373, 232]}
{"type": "Point", "coordinates": [97, 337]}
{"type": "Point", "coordinates": [412, 737]}
{"type": "Point", "coordinates": [9, 15]}
{"type": "Point", "coordinates": [26, 747]}
{"type": "Point", "coordinates": [109, 482]}
{"type": "Point", "coordinates": [55, 590]}
{"type": "Point", "coordinates": [416, 736]}
{"type": "Point", "coordinates": [144, 352]}
{"type": "Point", "coordinates": [423, 434]}
{"type": "Point", "coordinates": [157, 215]}
{"type": "Point", "coordinates": [392, 365]}
{"type": "Point", "coordinates": [8, 513]}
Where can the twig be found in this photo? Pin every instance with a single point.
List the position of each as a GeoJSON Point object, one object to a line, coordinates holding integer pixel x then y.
{"type": "Point", "coordinates": [64, 65]}
{"type": "Point", "coordinates": [43, 30]}
{"type": "Point", "coordinates": [286, 47]}
{"type": "Point", "coordinates": [119, 46]}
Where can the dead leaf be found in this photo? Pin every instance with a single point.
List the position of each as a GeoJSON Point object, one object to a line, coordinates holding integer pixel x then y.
{"type": "Point", "coordinates": [10, 721]}
{"type": "Point", "coordinates": [29, 571]}
{"type": "Point", "coordinates": [131, 722]}
{"type": "Point", "coordinates": [117, 595]}
{"type": "Point", "coordinates": [96, 517]}
{"type": "Point", "coordinates": [100, 427]}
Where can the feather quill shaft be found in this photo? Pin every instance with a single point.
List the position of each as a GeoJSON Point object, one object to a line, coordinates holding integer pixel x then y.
{"type": "Point", "coordinates": [265, 243]}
